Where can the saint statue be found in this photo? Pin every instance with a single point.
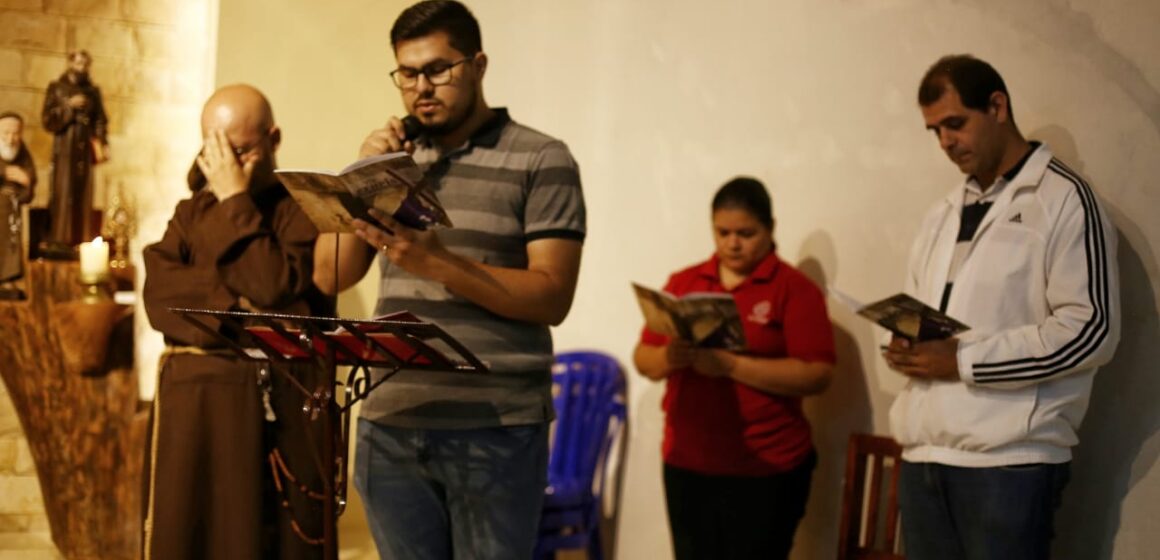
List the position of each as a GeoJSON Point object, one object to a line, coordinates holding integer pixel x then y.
{"type": "Point", "coordinates": [17, 181]}
{"type": "Point", "coordinates": [75, 114]}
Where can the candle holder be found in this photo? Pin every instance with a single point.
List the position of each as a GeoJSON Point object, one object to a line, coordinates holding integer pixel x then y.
{"type": "Point", "coordinates": [96, 291]}
{"type": "Point", "coordinates": [95, 288]}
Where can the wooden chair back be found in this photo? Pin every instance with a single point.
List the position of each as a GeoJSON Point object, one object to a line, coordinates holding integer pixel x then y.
{"type": "Point", "coordinates": [873, 464]}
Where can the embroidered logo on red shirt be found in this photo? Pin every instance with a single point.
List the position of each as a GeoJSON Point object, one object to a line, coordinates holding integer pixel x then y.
{"type": "Point", "coordinates": [760, 312]}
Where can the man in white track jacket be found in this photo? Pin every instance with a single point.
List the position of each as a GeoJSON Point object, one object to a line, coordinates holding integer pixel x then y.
{"type": "Point", "coordinates": [1023, 254]}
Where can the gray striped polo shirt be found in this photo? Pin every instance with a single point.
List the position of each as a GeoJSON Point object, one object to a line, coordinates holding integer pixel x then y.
{"type": "Point", "coordinates": [506, 186]}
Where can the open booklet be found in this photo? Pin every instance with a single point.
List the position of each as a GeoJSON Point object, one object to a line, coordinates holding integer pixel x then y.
{"type": "Point", "coordinates": [392, 183]}
{"type": "Point", "coordinates": [708, 320]}
{"type": "Point", "coordinates": [904, 316]}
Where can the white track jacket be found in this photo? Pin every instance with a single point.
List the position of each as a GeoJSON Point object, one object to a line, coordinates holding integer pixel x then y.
{"type": "Point", "coordinates": [1039, 288]}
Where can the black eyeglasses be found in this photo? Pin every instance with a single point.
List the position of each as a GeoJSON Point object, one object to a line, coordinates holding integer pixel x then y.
{"type": "Point", "coordinates": [437, 73]}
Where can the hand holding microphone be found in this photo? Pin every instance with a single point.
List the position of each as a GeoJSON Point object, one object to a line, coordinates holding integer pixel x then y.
{"type": "Point", "coordinates": [398, 134]}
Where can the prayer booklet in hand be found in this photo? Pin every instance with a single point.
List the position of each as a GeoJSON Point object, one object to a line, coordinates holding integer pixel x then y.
{"type": "Point", "coordinates": [904, 316]}
{"type": "Point", "coordinates": [392, 183]}
{"type": "Point", "coordinates": [708, 320]}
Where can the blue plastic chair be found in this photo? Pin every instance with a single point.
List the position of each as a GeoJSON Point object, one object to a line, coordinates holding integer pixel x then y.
{"type": "Point", "coordinates": [588, 390]}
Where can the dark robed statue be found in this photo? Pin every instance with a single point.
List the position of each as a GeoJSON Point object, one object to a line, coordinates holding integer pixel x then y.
{"type": "Point", "coordinates": [17, 182]}
{"type": "Point", "coordinates": [75, 114]}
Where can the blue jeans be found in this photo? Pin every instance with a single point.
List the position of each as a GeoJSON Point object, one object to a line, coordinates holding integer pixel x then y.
{"type": "Point", "coordinates": [443, 494]}
{"type": "Point", "coordinates": [997, 513]}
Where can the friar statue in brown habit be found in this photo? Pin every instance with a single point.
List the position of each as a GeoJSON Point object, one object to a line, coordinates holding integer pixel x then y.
{"type": "Point", "coordinates": [75, 113]}
{"type": "Point", "coordinates": [17, 184]}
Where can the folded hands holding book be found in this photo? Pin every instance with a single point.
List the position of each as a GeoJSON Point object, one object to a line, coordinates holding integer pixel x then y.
{"type": "Point", "coordinates": [710, 362]}
{"type": "Point", "coordinates": [923, 339]}
{"type": "Point", "coordinates": [413, 250]}
{"type": "Point", "coordinates": [931, 359]}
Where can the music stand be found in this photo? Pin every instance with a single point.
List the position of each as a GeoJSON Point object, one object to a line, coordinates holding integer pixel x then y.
{"type": "Point", "coordinates": [328, 342]}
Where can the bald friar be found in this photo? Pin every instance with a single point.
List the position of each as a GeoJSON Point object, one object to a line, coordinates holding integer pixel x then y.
{"type": "Point", "coordinates": [224, 431]}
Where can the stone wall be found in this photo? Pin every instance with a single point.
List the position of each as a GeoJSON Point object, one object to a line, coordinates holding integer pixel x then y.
{"type": "Point", "coordinates": [153, 61]}
{"type": "Point", "coordinates": [23, 524]}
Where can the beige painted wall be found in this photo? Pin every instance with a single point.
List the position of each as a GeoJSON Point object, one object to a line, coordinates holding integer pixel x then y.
{"type": "Point", "coordinates": [662, 101]}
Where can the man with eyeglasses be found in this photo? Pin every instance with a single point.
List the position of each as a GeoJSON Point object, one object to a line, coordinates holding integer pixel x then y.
{"type": "Point", "coordinates": [449, 464]}
{"type": "Point", "coordinates": [226, 429]}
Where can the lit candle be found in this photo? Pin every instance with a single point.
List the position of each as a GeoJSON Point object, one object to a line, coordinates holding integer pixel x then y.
{"type": "Point", "coordinates": [94, 260]}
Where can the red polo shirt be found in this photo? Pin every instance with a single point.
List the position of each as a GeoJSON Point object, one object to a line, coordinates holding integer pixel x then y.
{"type": "Point", "coordinates": [720, 427]}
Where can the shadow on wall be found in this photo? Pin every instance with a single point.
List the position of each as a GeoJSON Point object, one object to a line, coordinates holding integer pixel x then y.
{"type": "Point", "coordinates": [1122, 416]}
{"type": "Point", "coordinates": [1062, 145]}
{"type": "Point", "coordinates": [835, 414]}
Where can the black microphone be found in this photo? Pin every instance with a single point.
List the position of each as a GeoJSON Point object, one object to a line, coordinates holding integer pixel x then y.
{"type": "Point", "coordinates": [412, 127]}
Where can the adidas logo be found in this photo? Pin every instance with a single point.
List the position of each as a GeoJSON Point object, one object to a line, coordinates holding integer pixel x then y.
{"type": "Point", "coordinates": [1017, 218]}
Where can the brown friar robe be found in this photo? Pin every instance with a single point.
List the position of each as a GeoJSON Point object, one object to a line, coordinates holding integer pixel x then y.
{"type": "Point", "coordinates": [212, 493]}
{"type": "Point", "coordinates": [70, 208]}
{"type": "Point", "coordinates": [12, 197]}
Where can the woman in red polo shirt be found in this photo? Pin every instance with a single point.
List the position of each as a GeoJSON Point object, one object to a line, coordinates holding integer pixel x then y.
{"type": "Point", "coordinates": [737, 450]}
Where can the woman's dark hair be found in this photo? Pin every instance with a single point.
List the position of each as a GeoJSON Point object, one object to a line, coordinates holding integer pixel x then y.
{"type": "Point", "coordinates": [748, 194]}
{"type": "Point", "coordinates": [431, 16]}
